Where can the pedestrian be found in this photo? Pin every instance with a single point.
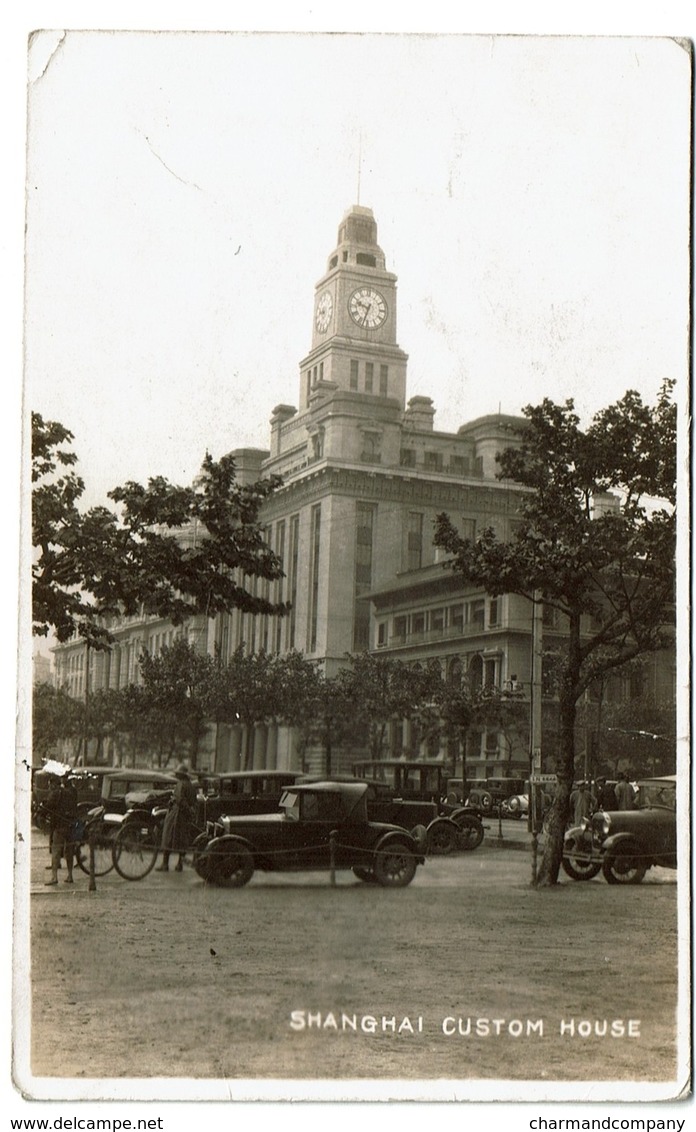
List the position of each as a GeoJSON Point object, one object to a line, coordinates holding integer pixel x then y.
{"type": "Point", "coordinates": [625, 796]}
{"type": "Point", "coordinates": [606, 798]}
{"type": "Point", "coordinates": [583, 802]}
{"type": "Point", "coordinates": [61, 805]}
{"type": "Point", "coordinates": [178, 824]}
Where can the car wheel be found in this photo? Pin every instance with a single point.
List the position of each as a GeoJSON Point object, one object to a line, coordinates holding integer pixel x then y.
{"type": "Point", "coordinates": [580, 870]}
{"type": "Point", "coordinates": [623, 865]}
{"type": "Point", "coordinates": [395, 865]}
{"type": "Point", "coordinates": [470, 833]}
{"type": "Point", "coordinates": [199, 859]}
{"type": "Point", "coordinates": [364, 874]}
{"type": "Point", "coordinates": [443, 837]}
{"type": "Point", "coordinates": [230, 864]}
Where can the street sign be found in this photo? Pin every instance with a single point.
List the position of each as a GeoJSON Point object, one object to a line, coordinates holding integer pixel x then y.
{"type": "Point", "coordinates": [538, 779]}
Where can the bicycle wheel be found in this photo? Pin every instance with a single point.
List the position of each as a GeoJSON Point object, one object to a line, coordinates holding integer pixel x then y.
{"type": "Point", "coordinates": [135, 849]}
{"type": "Point", "coordinates": [103, 854]}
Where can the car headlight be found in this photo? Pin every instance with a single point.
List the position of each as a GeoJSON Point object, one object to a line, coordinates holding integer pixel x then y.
{"type": "Point", "coordinates": [585, 825]}
{"type": "Point", "coordinates": [606, 824]}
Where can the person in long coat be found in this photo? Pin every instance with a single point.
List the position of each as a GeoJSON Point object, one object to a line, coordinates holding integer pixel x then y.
{"type": "Point", "coordinates": [177, 832]}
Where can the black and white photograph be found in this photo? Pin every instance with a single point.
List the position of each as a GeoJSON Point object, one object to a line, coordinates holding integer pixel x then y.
{"type": "Point", "coordinates": [352, 754]}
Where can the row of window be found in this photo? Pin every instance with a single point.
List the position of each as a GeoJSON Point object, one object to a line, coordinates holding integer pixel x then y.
{"type": "Point", "coordinates": [463, 617]}
{"type": "Point", "coordinates": [435, 462]}
{"type": "Point", "coordinates": [369, 378]}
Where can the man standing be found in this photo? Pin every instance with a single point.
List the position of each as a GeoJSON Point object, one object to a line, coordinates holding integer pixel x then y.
{"type": "Point", "coordinates": [61, 805]}
{"type": "Point", "coordinates": [625, 798]}
{"type": "Point", "coordinates": [583, 802]}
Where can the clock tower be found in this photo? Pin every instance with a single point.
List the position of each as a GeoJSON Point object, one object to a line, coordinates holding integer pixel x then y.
{"type": "Point", "coordinates": [354, 345]}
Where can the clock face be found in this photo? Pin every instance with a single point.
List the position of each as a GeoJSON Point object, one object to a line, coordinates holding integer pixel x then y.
{"type": "Point", "coordinates": [368, 308]}
{"type": "Point", "coordinates": [322, 316]}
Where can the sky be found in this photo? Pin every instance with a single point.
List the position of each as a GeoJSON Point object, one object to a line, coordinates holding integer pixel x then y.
{"type": "Point", "coordinates": [184, 192]}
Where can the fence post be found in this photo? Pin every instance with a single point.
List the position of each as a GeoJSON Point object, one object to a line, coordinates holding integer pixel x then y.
{"type": "Point", "coordinates": [332, 851]}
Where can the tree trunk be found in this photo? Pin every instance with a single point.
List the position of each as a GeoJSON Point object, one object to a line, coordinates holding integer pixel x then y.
{"type": "Point", "coordinates": [557, 818]}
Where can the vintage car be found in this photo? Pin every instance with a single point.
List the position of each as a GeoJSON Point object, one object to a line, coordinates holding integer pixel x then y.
{"type": "Point", "coordinates": [451, 826]}
{"type": "Point", "coordinates": [624, 844]}
{"type": "Point", "coordinates": [125, 789]}
{"type": "Point", "coordinates": [242, 792]}
{"type": "Point", "coordinates": [88, 782]}
{"type": "Point", "coordinates": [318, 825]}
{"type": "Point", "coordinates": [444, 835]}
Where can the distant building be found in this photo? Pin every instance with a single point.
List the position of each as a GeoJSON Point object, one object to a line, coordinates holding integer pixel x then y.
{"type": "Point", "coordinates": [42, 669]}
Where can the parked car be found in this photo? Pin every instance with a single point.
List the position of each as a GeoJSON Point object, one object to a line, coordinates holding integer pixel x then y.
{"type": "Point", "coordinates": [417, 783]}
{"type": "Point", "coordinates": [489, 794]}
{"type": "Point", "coordinates": [516, 806]}
{"type": "Point", "coordinates": [319, 825]}
{"type": "Point", "coordinates": [444, 835]}
{"type": "Point", "coordinates": [243, 792]}
{"type": "Point", "coordinates": [88, 781]}
{"type": "Point", "coordinates": [125, 789]}
{"type": "Point", "coordinates": [624, 844]}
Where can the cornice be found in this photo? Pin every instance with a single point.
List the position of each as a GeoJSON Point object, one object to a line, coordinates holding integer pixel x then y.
{"type": "Point", "coordinates": [322, 480]}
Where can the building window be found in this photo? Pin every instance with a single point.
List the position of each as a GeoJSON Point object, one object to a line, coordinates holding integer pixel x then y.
{"type": "Point", "coordinates": [437, 620]}
{"type": "Point", "coordinates": [478, 466]}
{"type": "Point", "coordinates": [383, 380]}
{"type": "Point", "coordinates": [321, 371]}
{"type": "Point", "coordinates": [476, 614]}
{"type": "Point", "coordinates": [369, 376]}
{"type": "Point", "coordinates": [381, 634]}
{"type": "Point", "coordinates": [280, 551]}
{"type": "Point", "coordinates": [550, 617]}
{"type": "Point", "coordinates": [490, 673]}
{"type": "Point", "coordinates": [364, 531]}
{"type": "Point", "coordinates": [353, 374]}
{"type": "Point", "coordinates": [400, 627]}
{"type": "Point", "coordinates": [459, 465]}
{"type": "Point", "coordinates": [467, 529]}
{"type": "Point", "coordinates": [371, 446]}
{"type": "Point", "coordinates": [366, 259]}
{"type": "Point", "coordinates": [417, 623]}
{"type": "Point", "coordinates": [408, 458]}
{"type": "Point", "coordinates": [433, 461]}
{"type": "Point", "coordinates": [414, 542]}
{"type": "Point", "coordinates": [292, 577]}
{"type": "Point", "coordinates": [456, 618]}
{"type": "Point", "coordinates": [314, 576]}
{"type": "Point", "coordinates": [493, 613]}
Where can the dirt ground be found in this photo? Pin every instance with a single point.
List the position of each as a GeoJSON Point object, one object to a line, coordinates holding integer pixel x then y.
{"type": "Point", "coordinates": [168, 977]}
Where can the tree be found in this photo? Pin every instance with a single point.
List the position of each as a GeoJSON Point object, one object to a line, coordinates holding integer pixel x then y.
{"type": "Point", "coordinates": [175, 695]}
{"type": "Point", "coordinates": [319, 707]}
{"type": "Point", "coordinates": [244, 689]}
{"type": "Point", "coordinates": [382, 690]}
{"type": "Point", "coordinates": [55, 716]}
{"type": "Point", "coordinates": [596, 542]}
{"type": "Point", "coordinates": [170, 551]}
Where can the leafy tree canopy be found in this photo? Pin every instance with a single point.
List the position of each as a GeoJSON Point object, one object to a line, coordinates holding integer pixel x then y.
{"type": "Point", "coordinates": [596, 540]}
{"type": "Point", "coordinates": [170, 551]}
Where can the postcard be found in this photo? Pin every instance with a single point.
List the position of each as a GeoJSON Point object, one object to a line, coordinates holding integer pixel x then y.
{"type": "Point", "coordinates": [357, 266]}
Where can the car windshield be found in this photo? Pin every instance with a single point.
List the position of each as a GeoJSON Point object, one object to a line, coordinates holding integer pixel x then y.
{"type": "Point", "coordinates": [657, 795]}
{"type": "Point", "coordinates": [290, 804]}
